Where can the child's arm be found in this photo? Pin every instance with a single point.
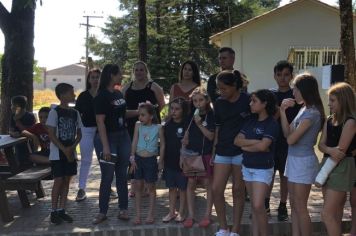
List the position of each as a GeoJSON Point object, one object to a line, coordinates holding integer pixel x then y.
{"type": "Point", "coordinates": [52, 136]}
{"type": "Point", "coordinates": [161, 148]}
{"type": "Point", "coordinates": [134, 146]}
{"type": "Point", "coordinates": [261, 146]}
{"type": "Point", "coordinates": [241, 141]}
{"type": "Point", "coordinates": [33, 137]}
{"type": "Point", "coordinates": [207, 133]}
{"type": "Point", "coordinates": [78, 137]}
{"type": "Point", "coordinates": [286, 128]}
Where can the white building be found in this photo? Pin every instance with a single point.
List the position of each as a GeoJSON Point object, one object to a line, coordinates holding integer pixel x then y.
{"type": "Point", "coordinates": [306, 32]}
{"type": "Point", "coordinates": [72, 74]}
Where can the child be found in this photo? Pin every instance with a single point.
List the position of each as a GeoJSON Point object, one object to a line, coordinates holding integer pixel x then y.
{"type": "Point", "coordinates": [231, 111]}
{"type": "Point", "coordinates": [337, 142]}
{"type": "Point", "coordinates": [199, 138]}
{"type": "Point", "coordinates": [257, 139]}
{"type": "Point", "coordinates": [63, 125]}
{"type": "Point", "coordinates": [39, 135]}
{"type": "Point", "coordinates": [301, 135]}
{"type": "Point", "coordinates": [20, 120]}
{"type": "Point", "coordinates": [143, 157]}
{"type": "Point", "coordinates": [283, 74]}
{"type": "Point", "coordinates": [175, 180]}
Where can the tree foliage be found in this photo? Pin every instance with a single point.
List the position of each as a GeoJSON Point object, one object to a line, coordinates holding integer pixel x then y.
{"type": "Point", "coordinates": [177, 30]}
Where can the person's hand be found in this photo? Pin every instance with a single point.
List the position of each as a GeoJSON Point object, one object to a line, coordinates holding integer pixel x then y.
{"type": "Point", "coordinates": [106, 154]}
{"type": "Point", "coordinates": [286, 103]}
{"type": "Point", "coordinates": [336, 154]}
{"type": "Point", "coordinates": [197, 120]}
{"type": "Point", "coordinates": [69, 153]}
{"type": "Point", "coordinates": [133, 163]}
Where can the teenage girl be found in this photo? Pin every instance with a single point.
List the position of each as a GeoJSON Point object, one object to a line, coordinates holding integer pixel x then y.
{"type": "Point", "coordinates": [301, 135]}
{"type": "Point", "coordinates": [337, 142]}
{"type": "Point", "coordinates": [231, 110]}
{"type": "Point", "coordinates": [257, 139]}
{"type": "Point", "coordinates": [199, 138]}
{"type": "Point", "coordinates": [175, 180]}
{"type": "Point", "coordinates": [143, 157]}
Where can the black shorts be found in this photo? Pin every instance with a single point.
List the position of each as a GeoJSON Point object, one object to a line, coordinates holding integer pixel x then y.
{"type": "Point", "coordinates": [280, 159]}
{"type": "Point", "coordinates": [62, 168]}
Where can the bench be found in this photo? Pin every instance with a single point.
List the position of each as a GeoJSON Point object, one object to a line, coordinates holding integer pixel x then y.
{"type": "Point", "coordinates": [29, 179]}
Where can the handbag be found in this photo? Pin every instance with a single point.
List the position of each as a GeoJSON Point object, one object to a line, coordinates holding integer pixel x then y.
{"type": "Point", "coordinates": [192, 162]}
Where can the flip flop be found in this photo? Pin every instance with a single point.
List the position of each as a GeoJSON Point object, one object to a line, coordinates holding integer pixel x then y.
{"type": "Point", "coordinates": [205, 222]}
{"type": "Point", "coordinates": [137, 222]}
{"type": "Point", "coordinates": [169, 218]}
{"type": "Point", "coordinates": [188, 223]}
{"type": "Point", "coordinates": [149, 222]}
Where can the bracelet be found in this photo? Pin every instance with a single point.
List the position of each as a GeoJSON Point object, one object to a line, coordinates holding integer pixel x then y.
{"type": "Point", "coordinates": [132, 159]}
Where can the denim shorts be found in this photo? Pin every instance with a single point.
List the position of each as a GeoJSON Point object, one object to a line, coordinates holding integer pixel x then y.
{"type": "Point", "coordinates": [147, 169]}
{"type": "Point", "coordinates": [257, 175]}
{"type": "Point", "coordinates": [175, 179]}
{"type": "Point", "coordinates": [228, 160]}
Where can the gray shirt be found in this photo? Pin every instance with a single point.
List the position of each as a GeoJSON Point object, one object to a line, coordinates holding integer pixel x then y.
{"type": "Point", "coordinates": [305, 145]}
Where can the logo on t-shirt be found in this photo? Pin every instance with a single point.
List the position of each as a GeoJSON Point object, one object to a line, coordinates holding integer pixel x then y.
{"type": "Point", "coordinates": [259, 131]}
{"type": "Point", "coordinates": [66, 128]}
{"type": "Point", "coordinates": [118, 102]}
{"type": "Point", "coordinates": [179, 132]}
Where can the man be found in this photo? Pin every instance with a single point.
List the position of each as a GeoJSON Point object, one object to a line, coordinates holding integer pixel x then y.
{"type": "Point", "coordinates": [226, 62]}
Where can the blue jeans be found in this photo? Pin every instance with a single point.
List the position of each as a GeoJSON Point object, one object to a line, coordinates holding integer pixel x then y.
{"type": "Point", "coordinates": [120, 144]}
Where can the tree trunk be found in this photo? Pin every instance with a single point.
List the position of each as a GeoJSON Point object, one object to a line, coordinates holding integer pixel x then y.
{"type": "Point", "coordinates": [142, 28]}
{"type": "Point", "coordinates": [17, 62]}
{"type": "Point", "coordinates": [347, 41]}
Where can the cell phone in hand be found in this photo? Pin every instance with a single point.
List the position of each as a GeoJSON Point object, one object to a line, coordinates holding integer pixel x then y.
{"type": "Point", "coordinates": [112, 161]}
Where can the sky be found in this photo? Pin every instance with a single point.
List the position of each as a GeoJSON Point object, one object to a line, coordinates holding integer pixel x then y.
{"type": "Point", "coordinates": [59, 37]}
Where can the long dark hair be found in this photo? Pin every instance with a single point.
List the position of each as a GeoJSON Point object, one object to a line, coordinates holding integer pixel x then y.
{"type": "Point", "coordinates": [308, 87]}
{"type": "Point", "coordinates": [105, 77]}
{"type": "Point", "coordinates": [196, 73]}
{"type": "Point", "coordinates": [184, 104]}
{"type": "Point", "coordinates": [267, 96]}
{"type": "Point", "coordinates": [94, 70]}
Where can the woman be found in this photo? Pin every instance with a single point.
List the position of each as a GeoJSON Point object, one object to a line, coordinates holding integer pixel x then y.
{"type": "Point", "coordinates": [189, 79]}
{"type": "Point", "coordinates": [84, 105]}
{"type": "Point", "coordinates": [301, 135]}
{"type": "Point", "coordinates": [112, 140]}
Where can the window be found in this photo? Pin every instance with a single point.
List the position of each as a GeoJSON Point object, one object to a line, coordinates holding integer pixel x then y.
{"type": "Point", "coordinates": [305, 57]}
{"type": "Point", "coordinates": [79, 80]}
{"type": "Point", "coordinates": [54, 79]}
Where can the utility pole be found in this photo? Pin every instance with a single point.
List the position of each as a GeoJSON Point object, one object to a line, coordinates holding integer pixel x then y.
{"type": "Point", "coordinates": [87, 25]}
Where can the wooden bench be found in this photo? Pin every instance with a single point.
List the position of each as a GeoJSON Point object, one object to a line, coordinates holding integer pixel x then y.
{"type": "Point", "coordinates": [29, 179]}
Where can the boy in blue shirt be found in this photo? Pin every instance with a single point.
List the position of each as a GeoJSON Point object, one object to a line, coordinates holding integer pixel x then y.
{"type": "Point", "coordinates": [64, 130]}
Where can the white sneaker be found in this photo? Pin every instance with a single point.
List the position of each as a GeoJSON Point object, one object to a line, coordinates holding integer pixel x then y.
{"type": "Point", "coordinates": [234, 234]}
{"type": "Point", "coordinates": [222, 232]}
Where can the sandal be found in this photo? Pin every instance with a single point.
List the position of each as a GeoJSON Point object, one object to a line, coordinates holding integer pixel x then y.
{"type": "Point", "coordinates": [137, 222]}
{"type": "Point", "coordinates": [188, 223]}
{"type": "Point", "coordinates": [169, 218]}
{"type": "Point", "coordinates": [149, 222]}
{"type": "Point", "coordinates": [179, 218]}
{"type": "Point", "coordinates": [205, 222]}
{"type": "Point", "coordinates": [99, 218]}
{"type": "Point", "coordinates": [123, 215]}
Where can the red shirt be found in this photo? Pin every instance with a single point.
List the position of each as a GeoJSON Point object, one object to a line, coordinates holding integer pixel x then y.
{"type": "Point", "coordinates": [42, 134]}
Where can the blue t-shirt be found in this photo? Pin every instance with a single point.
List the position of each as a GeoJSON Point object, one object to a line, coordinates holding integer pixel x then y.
{"type": "Point", "coordinates": [255, 129]}
{"type": "Point", "coordinates": [196, 136]}
{"type": "Point", "coordinates": [148, 138]}
{"type": "Point", "coordinates": [229, 117]}
{"type": "Point", "coordinates": [305, 145]}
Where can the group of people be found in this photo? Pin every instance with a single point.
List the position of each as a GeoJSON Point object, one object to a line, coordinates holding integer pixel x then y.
{"type": "Point", "coordinates": [246, 136]}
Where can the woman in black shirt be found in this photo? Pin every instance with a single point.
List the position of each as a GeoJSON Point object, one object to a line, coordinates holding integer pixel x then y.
{"type": "Point", "coordinates": [84, 105]}
{"type": "Point", "coordinates": [112, 142]}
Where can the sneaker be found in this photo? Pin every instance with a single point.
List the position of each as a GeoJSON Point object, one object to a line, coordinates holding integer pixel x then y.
{"type": "Point", "coordinates": [113, 194]}
{"type": "Point", "coordinates": [234, 234]}
{"type": "Point", "coordinates": [81, 195]}
{"type": "Point", "coordinates": [55, 219]}
{"type": "Point", "coordinates": [282, 213]}
{"type": "Point", "coordinates": [64, 216]}
{"type": "Point", "coordinates": [222, 233]}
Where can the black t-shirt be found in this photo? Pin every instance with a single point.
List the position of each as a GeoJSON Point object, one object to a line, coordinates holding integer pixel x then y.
{"type": "Point", "coordinates": [333, 134]}
{"type": "Point", "coordinates": [291, 113]}
{"type": "Point", "coordinates": [173, 134]}
{"type": "Point", "coordinates": [196, 136]}
{"type": "Point", "coordinates": [255, 129]}
{"type": "Point", "coordinates": [27, 120]}
{"type": "Point", "coordinates": [229, 117]}
{"type": "Point", "coordinates": [85, 106]}
{"type": "Point", "coordinates": [113, 106]}
{"type": "Point", "coordinates": [212, 88]}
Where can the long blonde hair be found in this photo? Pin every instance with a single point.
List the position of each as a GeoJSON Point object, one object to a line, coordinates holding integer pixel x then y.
{"type": "Point", "coordinates": [345, 96]}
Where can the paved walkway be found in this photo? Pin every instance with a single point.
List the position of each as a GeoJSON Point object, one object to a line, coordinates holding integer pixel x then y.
{"type": "Point", "coordinates": [35, 220]}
